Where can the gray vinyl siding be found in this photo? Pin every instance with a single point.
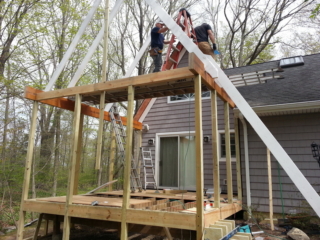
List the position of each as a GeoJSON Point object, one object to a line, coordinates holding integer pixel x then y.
{"type": "Point", "coordinates": [295, 133]}
{"type": "Point", "coordinates": [166, 117]}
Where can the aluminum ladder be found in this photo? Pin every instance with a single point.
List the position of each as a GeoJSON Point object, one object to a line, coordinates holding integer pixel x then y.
{"type": "Point", "coordinates": [173, 52]}
{"type": "Point", "coordinates": [148, 168]}
{"type": "Point", "coordinates": [135, 182]}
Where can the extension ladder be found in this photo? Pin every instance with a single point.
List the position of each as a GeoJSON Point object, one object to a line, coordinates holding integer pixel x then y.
{"type": "Point", "coordinates": [121, 141]}
{"type": "Point", "coordinates": [148, 168]}
{"type": "Point", "coordinates": [173, 52]}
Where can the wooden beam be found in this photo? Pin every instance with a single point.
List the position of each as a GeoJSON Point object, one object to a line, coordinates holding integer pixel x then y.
{"type": "Point", "coordinates": [72, 167]}
{"type": "Point", "coordinates": [79, 154]}
{"type": "Point", "coordinates": [197, 67]}
{"type": "Point", "coordinates": [127, 166]}
{"type": "Point", "coordinates": [199, 157]}
{"type": "Point", "coordinates": [100, 131]}
{"type": "Point", "coordinates": [64, 103]}
{"type": "Point", "coordinates": [36, 232]}
{"type": "Point", "coordinates": [238, 160]}
{"type": "Point", "coordinates": [27, 169]}
{"type": "Point", "coordinates": [120, 84]}
{"type": "Point", "coordinates": [215, 147]}
{"type": "Point", "coordinates": [112, 158]}
{"type": "Point", "coordinates": [228, 151]}
{"type": "Point", "coordinates": [142, 108]}
{"type": "Point", "coordinates": [270, 190]}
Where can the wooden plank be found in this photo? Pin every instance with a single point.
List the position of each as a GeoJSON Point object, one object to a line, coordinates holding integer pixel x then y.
{"type": "Point", "coordinates": [228, 151]}
{"type": "Point", "coordinates": [233, 224]}
{"type": "Point", "coordinates": [197, 67]}
{"type": "Point", "coordinates": [225, 210]}
{"type": "Point", "coordinates": [228, 224]}
{"type": "Point", "coordinates": [142, 108]}
{"type": "Point", "coordinates": [72, 167]}
{"type": "Point", "coordinates": [127, 166]}
{"type": "Point", "coordinates": [36, 232]}
{"type": "Point", "coordinates": [120, 84]}
{"type": "Point", "coordinates": [78, 161]}
{"type": "Point", "coordinates": [100, 131]}
{"type": "Point", "coordinates": [238, 160]}
{"type": "Point", "coordinates": [213, 233]}
{"type": "Point", "coordinates": [270, 190]}
{"type": "Point", "coordinates": [66, 104]}
{"type": "Point", "coordinates": [112, 158]}
{"type": "Point", "coordinates": [199, 156]}
{"type": "Point", "coordinates": [223, 227]}
{"type": "Point", "coordinates": [245, 234]}
{"type": "Point", "coordinates": [215, 147]}
{"type": "Point", "coordinates": [27, 170]}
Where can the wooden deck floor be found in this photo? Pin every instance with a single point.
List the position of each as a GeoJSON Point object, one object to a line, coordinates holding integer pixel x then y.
{"type": "Point", "coordinates": [146, 208]}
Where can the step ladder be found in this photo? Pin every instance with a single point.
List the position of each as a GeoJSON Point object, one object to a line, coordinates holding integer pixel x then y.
{"type": "Point", "coordinates": [173, 51]}
{"type": "Point", "coordinates": [135, 182]}
{"type": "Point", "coordinates": [148, 168]}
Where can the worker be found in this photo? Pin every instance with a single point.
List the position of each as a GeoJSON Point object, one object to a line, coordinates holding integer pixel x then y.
{"type": "Point", "coordinates": [157, 41]}
{"type": "Point", "coordinates": [204, 32]}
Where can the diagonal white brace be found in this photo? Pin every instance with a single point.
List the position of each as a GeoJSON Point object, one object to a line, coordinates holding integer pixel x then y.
{"type": "Point", "coordinates": [93, 47]}
{"type": "Point", "coordinates": [269, 140]}
{"type": "Point", "coordinates": [72, 46]}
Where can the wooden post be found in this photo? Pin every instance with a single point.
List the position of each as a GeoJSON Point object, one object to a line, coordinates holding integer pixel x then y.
{"type": "Point", "coordinates": [199, 157]}
{"type": "Point", "coordinates": [238, 163]}
{"type": "Point", "coordinates": [36, 232]}
{"type": "Point", "coordinates": [228, 152]}
{"type": "Point", "coordinates": [127, 166]}
{"type": "Point", "coordinates": [27, 169]}
{"type": "Point", "coordinates": [79, 152]}
{"type": "Point", "coordinates": [270, 189]}
{"type": "Point", "coordinates": [215, 147]}
{"type": "Point", "coordinates": [72, 167]}
{"type": "Point", "coordinates": [112, 158]}
{"type": "Point", "coordinates": [100, 131]}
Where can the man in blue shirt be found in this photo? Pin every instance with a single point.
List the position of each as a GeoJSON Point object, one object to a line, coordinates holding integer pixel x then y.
{"type": "Point", "coordinates": [204, 32]}
{"type": "Point", "coordinates": [157, 41]}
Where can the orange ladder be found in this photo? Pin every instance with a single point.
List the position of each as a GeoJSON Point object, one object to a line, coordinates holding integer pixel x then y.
{"type": "Point", "coordinates": [173, 52]}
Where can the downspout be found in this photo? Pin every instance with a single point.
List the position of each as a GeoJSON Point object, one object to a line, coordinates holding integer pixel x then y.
{"type": "Point", "coordinates": [246, 158]}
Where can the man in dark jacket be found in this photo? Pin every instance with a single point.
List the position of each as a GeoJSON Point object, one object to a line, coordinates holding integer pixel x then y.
{"type": "Point", "coordinates": [157, 41]}
{"type": "Point", "coordinates": [204, 32]}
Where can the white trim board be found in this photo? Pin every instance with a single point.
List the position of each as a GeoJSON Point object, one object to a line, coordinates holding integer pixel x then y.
{"type": "Point", "coordinates": [214, 70]}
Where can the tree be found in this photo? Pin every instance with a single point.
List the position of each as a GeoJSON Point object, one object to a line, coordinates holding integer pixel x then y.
{"type": "Point", "coordinates": [255, 22]}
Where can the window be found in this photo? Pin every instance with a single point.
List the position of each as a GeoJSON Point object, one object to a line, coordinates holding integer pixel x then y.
{"type": "Point", "coordinates": [222, 143]}
{"type": "Point", "coordinates": [186, 97]}
{"type": "Point", "coordinates": [290, 62]}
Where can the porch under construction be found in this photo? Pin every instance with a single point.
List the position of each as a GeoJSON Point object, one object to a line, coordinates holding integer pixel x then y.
{"type": "Point", "coordinates": [167, 210]}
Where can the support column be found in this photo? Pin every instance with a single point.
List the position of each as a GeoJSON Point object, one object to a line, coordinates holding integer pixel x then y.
{"type": "Point", "coordinates": [79, 154]}
{"type": "Point", "coordinates": [72, 167]}
{"type": "Point", "coordinates": [27, 169]}
{"type": "Point", "coordinates": [127, 166]}
{"type": "Point", "coordinates": [100, 132]}
{"type": "Point", "coordinates": [228, 152]}
{"type": "Point", "coordinates": [238, 162]}
{"type": "Point", "coordinates": [199, 157]}
{"type": "Point", "coordinates": [270, 189]}
{"type": "Point", "coordinates": [215, 147]}
{"type": "Point", "coordinates": [112, 158]}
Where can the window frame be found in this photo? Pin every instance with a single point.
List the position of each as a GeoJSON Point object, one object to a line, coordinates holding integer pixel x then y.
{"type": "Point", "coordinates": [223, 159]}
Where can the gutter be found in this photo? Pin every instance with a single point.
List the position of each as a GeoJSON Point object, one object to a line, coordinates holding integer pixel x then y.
{"type": "Point", "coordinates": [246, 158]}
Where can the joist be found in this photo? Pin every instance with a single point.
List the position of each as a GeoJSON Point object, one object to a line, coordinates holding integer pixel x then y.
{"type": "Point", "coordinates": [67, 104]}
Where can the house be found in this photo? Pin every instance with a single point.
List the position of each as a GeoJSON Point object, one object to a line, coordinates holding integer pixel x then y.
{"type": "Point", "coordinates": [286, 98]}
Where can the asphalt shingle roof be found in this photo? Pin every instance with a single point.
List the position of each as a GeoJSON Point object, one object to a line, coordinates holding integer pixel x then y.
{"type": "Point", "coordinates": [300, 83]}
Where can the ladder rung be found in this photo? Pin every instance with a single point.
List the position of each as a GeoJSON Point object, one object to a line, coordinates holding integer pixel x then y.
{"type": "Point", "coordinates": [175, 48]}
{"type": "Point", "coordinates": [173, 60]}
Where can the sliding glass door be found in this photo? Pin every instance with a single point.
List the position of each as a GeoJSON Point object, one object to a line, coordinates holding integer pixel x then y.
{"type": "Point", "coordinates": [177, 162]}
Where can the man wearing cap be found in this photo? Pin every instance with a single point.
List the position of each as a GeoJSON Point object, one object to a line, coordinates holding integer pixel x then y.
{"type": "Point", "coordinates": [204, 32]}
{"type": "Point", "coordinates": [157, 41]}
